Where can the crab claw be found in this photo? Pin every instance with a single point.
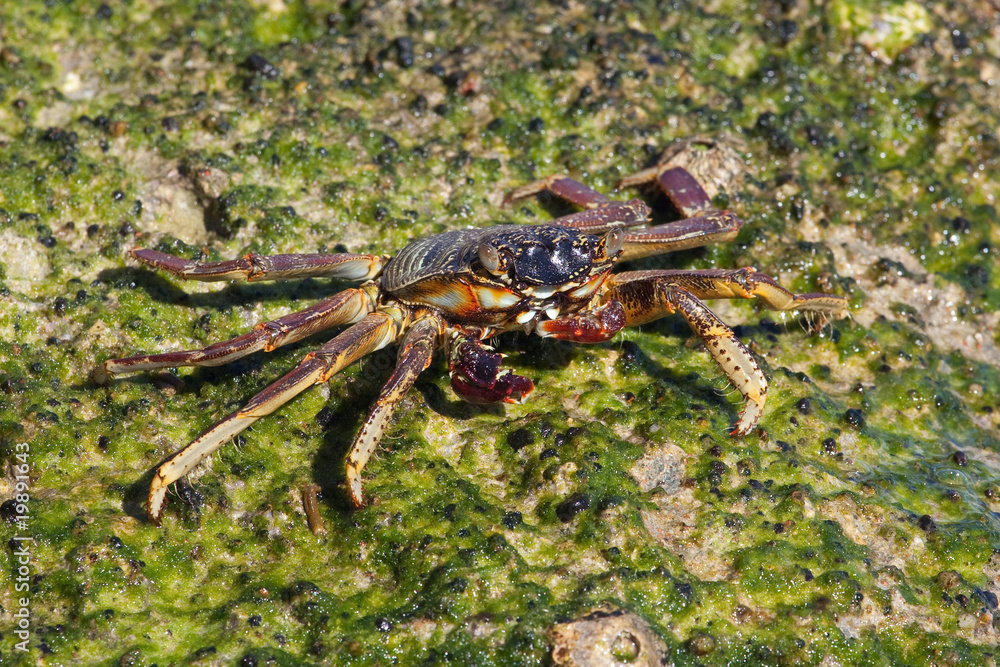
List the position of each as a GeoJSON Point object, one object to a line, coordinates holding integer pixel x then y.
{"type": "Point", "coordinates": [477, 377]}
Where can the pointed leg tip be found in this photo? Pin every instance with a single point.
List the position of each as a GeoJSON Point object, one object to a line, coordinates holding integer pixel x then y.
{"type": "Point", "coordinates": [154, 509]}
{"type": "Point", "coordinates": [354, 488]}
{"type": "Point", "coordinates": [100, 375]}
{"type": "Point", "coordinates": [749, 417]}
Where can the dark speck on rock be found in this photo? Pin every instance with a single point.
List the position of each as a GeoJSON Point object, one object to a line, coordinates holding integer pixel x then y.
{"type": "Point", "coordinates": [520, 439]}
{"type": "Point", "coordinates": [572, 506]}
{"type": "Point", "coordinates": [988, 597]}
{"type": "Point", "coordinates": [684, 589]}
{"type": "Point", "coordinates": [978, 275]}
{"type": "Point", "coordinates": [404, 51]}
{"type": "Point", "coordinates": [629, 352]}
{"type": "Point", "coordinates": [959, 458]}
{"type": "Point", "coordinates": [325, 417]}
{"type": "Point", "coordinates": [512, 519]}
{"type": "Point", "coordinates": [787, 30]}
{"type": "Point", "coordinates": [804, 406]}
{"type": "Point", "coordinates": [383, 625]}
{"type": "Point", "coordinates": [260, 65]}
{"type": "Point", "coordinates": [854, 418]}
{"type": "Point", "coordinates": [927, 524]}
{"type": "Point", "coordinates": [8, 510]}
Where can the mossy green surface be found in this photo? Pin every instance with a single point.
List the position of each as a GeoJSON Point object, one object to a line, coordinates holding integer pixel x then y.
{"type": "Point", "coordinates": [858, 526]}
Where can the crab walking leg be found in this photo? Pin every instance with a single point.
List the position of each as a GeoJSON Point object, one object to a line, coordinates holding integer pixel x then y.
{"type": "Point", "coordinates": [713, 227]}
{"type": "Point", "coordinates": [344, 307]}
{"type": "Point", "coordinates": [647, 300]}
{"type": "Point", "coordinates": [373, 332]}
{"type": "Point", "coordinates": [564, 187]}
{"type": "Point", "coordinates": [253, 267]}
{"type": "Point", "coordinates": [599, 220]}
{"type": "Point", "coordinates": [742, 283]}
{"type": "Point", "coordinates": [681, 188]}
{"type": "Point", "coordinates": [415, 353]}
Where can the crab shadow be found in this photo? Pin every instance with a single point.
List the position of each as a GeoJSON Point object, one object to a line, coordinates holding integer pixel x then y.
{"type": "Point", "coordinates": [136, 493]}
{"type": "Point", "coordinates": [164, 291]}
{"type": "Point", "coordinates": [182, 497]}
{"type": "Point", "coordinates": [342, 424]}
{"type": "Point", "coordinates": [710, 391]}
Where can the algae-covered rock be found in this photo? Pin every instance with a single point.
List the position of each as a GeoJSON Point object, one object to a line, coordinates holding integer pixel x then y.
{"type": "Point", "coordinates": [857, 524]}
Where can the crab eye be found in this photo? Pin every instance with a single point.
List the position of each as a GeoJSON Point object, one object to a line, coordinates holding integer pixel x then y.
{"type": "Point", "coordinates": [613, 241]}
{"type": "Point", "coordinates": [489, 258]}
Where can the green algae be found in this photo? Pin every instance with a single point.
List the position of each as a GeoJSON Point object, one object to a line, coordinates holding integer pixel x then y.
{"type": "Point", "coordinates": [851, 528]}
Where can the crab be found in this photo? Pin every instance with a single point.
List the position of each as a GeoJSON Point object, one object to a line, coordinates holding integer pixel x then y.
{"type": "Point", "coordinates": [458, 289]}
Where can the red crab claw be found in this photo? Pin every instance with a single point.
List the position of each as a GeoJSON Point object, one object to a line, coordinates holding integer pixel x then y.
{"type": "Point", "coordinates": [476, 376]}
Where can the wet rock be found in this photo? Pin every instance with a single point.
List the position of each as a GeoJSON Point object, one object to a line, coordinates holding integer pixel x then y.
{"type": "Point", "coordinates": [607, 638]}
{"type": "Point", "coordinates": [662, 467]}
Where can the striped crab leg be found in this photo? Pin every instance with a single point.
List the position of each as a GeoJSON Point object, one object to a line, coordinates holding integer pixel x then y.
{"type": "Point", "coordinates": [647, 300]}
{"type": "Point", "coordinates": [373, 332]}
{"type": "Point", "coordinates": [649, 295]}
{"type": "Point", "coordinates": [702, 224]}
{"type": "Point", "coordinates": [415, 353]}
{"type": "Point", "coordinates": [344, 307]}
{"type": "Point", "coordinates": [745, 283]}
{"type": "Point", "coordinates": [252, 267]}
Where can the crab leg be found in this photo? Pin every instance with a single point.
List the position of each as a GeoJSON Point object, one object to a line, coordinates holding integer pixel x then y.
{"type": "Point", "coordinates": [564, 187]}
{"type": "Point", "coordinates": [373, 332]}
{"type": "Point", "coordinates": [712, 227]}
{"type": "Point", "coordinates": [252, 267]}
{"type": "Point", "coordinates": [600, 213]}
{"type": "Point", "coordinates": [681, 188]}
{"type": "Point", "coordinates": [342, 308]}
{"type": "Point", "coordinates": [647, 300]}
{"type": "Point", "coordinates": [415, 353]}
{"type": "Point", "coordinates": [741, 283]}
{"type": "Point", "coordinates": [599, 220]}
